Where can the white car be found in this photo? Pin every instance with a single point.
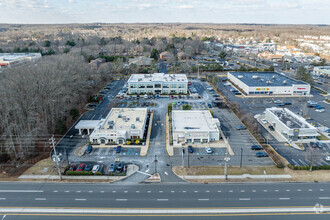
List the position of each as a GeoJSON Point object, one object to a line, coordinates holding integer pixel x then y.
{"type": "Point", "coordinates": [327, 158]}
{"type": "Point", "coordinates": [277, 101]}
{"type": "Point", "coordinates": [208, 150]}
{"type": "Point", "coordinates": [320, 110]}
{"type": "Point", "coordinates": [96, 168]}
{"type": "Point", "coordinates": [264, 121]}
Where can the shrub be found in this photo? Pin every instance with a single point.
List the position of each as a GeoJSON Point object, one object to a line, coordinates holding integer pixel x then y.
{"type": "Point", "coordinates": [98, 173]}
{"type": "Point", "coordinates": [79, 173]}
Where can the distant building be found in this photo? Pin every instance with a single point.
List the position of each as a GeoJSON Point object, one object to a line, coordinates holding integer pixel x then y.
{"type": "Point", "coordinates": [141, 61]}
{"type": "Point", "coordinates": [268, 83]}
{"type": "Point", "coordinates": [166, 56]}
{"type": "Point", "coordinates": [10, 59]}
{"type": "Point", "coordinates": [291, 126]}
{"type": "Point", "coordinates": [194, 126]}
{"type": "Point", "coordinates": [322, 70]}
{"type": "Point", "coordinates": [95, 64]}
{"type": "Point", "coordinates": [120, 125]}
{"type": "Point", "coordinates": [182, 56]}
{"type": "Point", "coordinates": [157, 83]}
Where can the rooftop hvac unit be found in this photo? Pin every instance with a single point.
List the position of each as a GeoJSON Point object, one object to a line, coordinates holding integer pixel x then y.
{"type": "Point", "coordinates": [110, 123]}
{"type": "Point", "coordinates": [273, 77]}
{"type": "Point", "coordinates": [284, 81]}
{"type": "Point", "coordinates": [120, 116]}
{"type": "Point", "coordinates": [137, 118]}
{"type": "Point", "coordinates": [124, 118]}
{"type": "Point", "coordinates": [240, 76]}
{"type": "Point", "coordinates": [133, 126]}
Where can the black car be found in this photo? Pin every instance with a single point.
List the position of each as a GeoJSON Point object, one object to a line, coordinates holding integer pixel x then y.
{"type": "Point", "coordinates": [313, 144]}
{"type": "Point", "coordinates": [119, 167]}
{"type": "Point", "coordinates": [88, 167]}
{"type": "Point", "coordinates": [271, 128]}
{"type": "Point", "coordinates": [256, 147]}
{"type": "Point", "coordinates": [287, 103]}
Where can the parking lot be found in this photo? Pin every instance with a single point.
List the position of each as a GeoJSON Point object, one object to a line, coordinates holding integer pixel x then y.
{"type": "Point", "coordinates": [111, 151]}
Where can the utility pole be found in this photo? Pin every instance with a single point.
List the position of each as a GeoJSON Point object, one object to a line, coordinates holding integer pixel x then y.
{"type": "Point", "coordinates": [182, 157]}
{"type": "Point", "coordinates": [155, 163]}
{"type": "Point", "coordinates": [226, 164]}
{"type": "Point", "coordinates": [53, 145]}
{"type": "Point", "coordinates": [240, 165]}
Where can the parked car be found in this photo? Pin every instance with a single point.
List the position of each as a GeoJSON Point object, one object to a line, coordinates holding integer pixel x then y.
{"type": "Point", "coordinates": [241, 127]}
{"type": "Point", "coordinates": [313, 144]}
{"type": "Point", "coordinates": [238, 93]}
{"type": "Point", "coordinates": [261, 154]}
{"type": "Point", "coordinates": [88, 167]}
{"type": "Point", "coordinates": [118, 149]}
{"type": "Point", "coordinates": [209, 105]}
{"type": "Point", "coordinates": [319, 144]}
{"type": "Point", "coordinates": [319, 107]}
{"type": "Point", "coordinates": [280, 105]}
{"type": "Point", "coordinates": [208, 150]}
{"type": "Point", "coordinates": [320, 110]}
{"type": "Point", "coordinates": [190, 149]}
{"type": "Point", "coordinates": [81, 167]}
{"type": "Point", "coordinates": [277, 101]}
{"type": "Point", "coordinates": [119, 167]}
{"type": "Point", "coordinates": [125, 169]}
{"type": "Point", "coordinates": [256, 147]}
{"type": "Point", "coordinates": [96, 168]}
{"type": "Point", "coordinates": [72, 167]}
{"type": "Point", "coordinates": [89, 149]}
{"type": "Point", "coordinates": [287, 103]}
{"type": "Point", "coordinates": [271, 128]}
{"type": "Point", "coordinates": [112, 167]}
{"type": "Point", "coordinates": [327, 158]}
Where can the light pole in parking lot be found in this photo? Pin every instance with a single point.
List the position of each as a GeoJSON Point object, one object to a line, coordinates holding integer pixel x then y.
{"type": "Point", "coordinates": [182, 157]}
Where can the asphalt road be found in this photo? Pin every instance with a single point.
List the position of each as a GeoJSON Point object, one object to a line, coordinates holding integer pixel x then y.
{"type": "Point", "coordinates": [163, 199]}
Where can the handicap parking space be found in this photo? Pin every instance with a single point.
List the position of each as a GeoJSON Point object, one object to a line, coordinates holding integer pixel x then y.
{"type": "Point", "coordinates": [130, 151]}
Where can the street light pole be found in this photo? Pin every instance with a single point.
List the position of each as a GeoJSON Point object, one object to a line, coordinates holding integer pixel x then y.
{"type": "Point", "coordinates": [53, 145]}
{"type": "Point", "coordinates": [240, 165]}
{"type": "Point", "coordinates": [182, 157]}
{"type": "Point", "coordinates": [226, 162]}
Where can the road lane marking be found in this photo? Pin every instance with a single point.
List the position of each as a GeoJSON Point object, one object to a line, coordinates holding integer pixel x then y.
{"type": "Point", "coordinates": [137, 191]}
{"type": "Point", "coordinates": [321, 189]}
{"type": "Point", "coordinates": [162, 191]}
{"type": "Point", "coordinates": [184, 191]}
{"type": "Point", "coordinates": [324, 197]}
{"type": "Point", "coordinates": [55, 191]}
{"type": "Point", "coordinates": [67, 191]}
{"type": "Point", "coordinates": [254, 190]}
{"type": "Point", "coordinates": [265, 190]}
{"type": "Point", "coordinates": [283, 198]}
{"type": "Point", "coordinates": [276, 190]}
{"type": "Point", "coordinates": [287, 190]}
{"type": "Point", "coordinates": [125, 191]}
{"type": "Point", "coordinates": [21, 191]}
{"type": "Point", "coordinates": [148, 191]}
{"type": "Point", "coordinates": [207, 191]}
{"type": "Point", "coordinates": [2, 198]}
{"type": "Point", "coordinates": [121, 199]}
{"type": "Point", "coordinates": [242, 191]}
{"type": "Point", "coordinates": [310, 190]}
{"type": "Point", "coordinates": [114, 191]}
{"type": "Point", "coordinates": [78, 191]}
{"type": "Point", "coordinates": [102, 191]}
{"type": "Point", "coordinates": [219, 191]}
{"type": "Point", "coordinates": [299, 190]}
{"type": "Point", "coordinates": [171, 191]}
{"type": "Point", "coordinates": [203, 199]}
{"type": "Point", "coordinates": [162, 199]}
{"type": "Point", "coordinates": [80, 199]}
{"type": "Point", "coordinates": [40, 199]}
{"type": "Point", "coordinates": [90, 191]}
{"type": "Point", "coordinates": [244, 199]}
{"type": "Point", "coordinates": [196, 191]}
{"type": "Point", "coordinates": [230, 191]}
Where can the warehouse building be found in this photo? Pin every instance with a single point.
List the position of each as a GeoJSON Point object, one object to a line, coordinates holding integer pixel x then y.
{"type": "Point", "coordinates": [10, 59]}
{"type": "Point", "coordinates": [268, 83]}
{"type": "Point", "coordinates": [194, 126]}
{"type": "Point", "coordinates": [120, 125]}
{"type": "Point", "coordinates": [157, 83]}
{"type": "Point", "coordinates": [290, 125]}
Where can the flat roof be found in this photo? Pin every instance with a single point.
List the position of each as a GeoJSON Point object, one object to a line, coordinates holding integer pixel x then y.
{"type": "Point", "coordinates": [17, 56]}
{"type": "Point", "coordinates": [87, 124]}
{"type": "Point", "coordinates": [123, 118]}
{"type": "Point", "coordinates": [193, 120]}
{"type": "Point", "coordinates": [158, 77]}
{"type": "Point", "coordinates": [290, 119]}
{"type": "Point", "coordinates": [265, 79]}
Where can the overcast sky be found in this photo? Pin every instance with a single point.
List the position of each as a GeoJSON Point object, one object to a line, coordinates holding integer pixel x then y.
{"type": "Point", "coordinates": [152, 11]}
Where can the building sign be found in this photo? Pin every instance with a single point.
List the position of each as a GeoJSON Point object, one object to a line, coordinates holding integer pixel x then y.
{"type": "Point", "coordinates": [301, 88]}
{"type": "Point", "coordinates": [262, 89]}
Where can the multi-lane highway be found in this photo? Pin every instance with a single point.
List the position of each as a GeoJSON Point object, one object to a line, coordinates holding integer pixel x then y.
{"type": "Point", "coordinates": [48, 200]}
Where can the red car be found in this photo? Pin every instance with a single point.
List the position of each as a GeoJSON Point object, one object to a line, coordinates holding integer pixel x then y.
{"type": "Point", "coordinates": [81, 167]}
{"type": "Point", "coordinates": [73, 167]}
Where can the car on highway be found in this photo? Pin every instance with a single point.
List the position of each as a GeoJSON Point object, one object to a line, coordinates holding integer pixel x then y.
{"type": "Point", "coordinates": [327, 158]}
{"type": "Point", "coordinates": [118, 149]}
{"type": "Point", "coordinates": [241, 127]}
{"type": "Point", "coordinates": [81, 167]}
{"type": "Point", "coordinates": [96, 168]}
{"type": "Point", "coordinates": [89, 149]}
{"type": "Point", "coordinates": [271, 128]}
{"type": "Point", "coordinates": [190, 149]}
{"type": "Point", "coordinates": [119, 167]}
{"type": "Point", "coordinates": [72, 167]}
{"type": "Point", "coordinates": [208, 150]}
{"type": "Point", "coordinates": [261, 154]}
{"type": "Point", "coordinates": [88, 167]}
{"type": "Point", "coordinates": [256, 147]}
{"type": "Point", "coordinates": [112, 167]}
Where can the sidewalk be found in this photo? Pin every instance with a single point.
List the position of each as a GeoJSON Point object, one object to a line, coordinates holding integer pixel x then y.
{"type": "Point", "coordinates": [244, 176]}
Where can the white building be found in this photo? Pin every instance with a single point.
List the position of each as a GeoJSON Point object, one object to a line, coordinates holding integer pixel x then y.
{"type": "Point", "coordinates": [268, 83]}
{"type": "Point", "coordinates": [322, 70]}
{"type": "Point", "coordinates": [291, 126]}
{"type": "Point", "coordinates": [194, 126]}
{"type": "Point", "coordinates": [157, 83]}
{"type": "Point", "coordinates": [120, 125]}
{"type": "Point", "coordinates": [9, 59]}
